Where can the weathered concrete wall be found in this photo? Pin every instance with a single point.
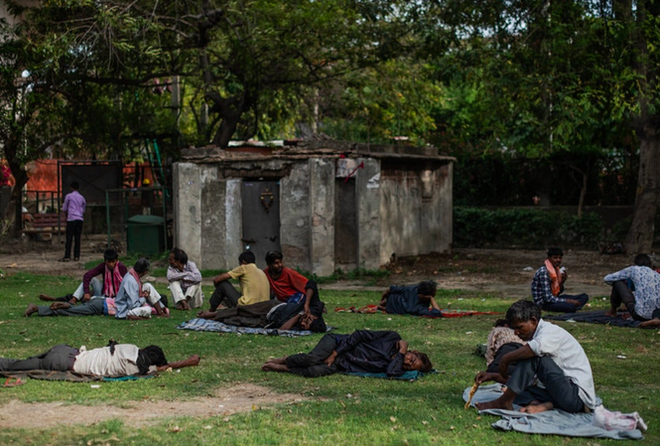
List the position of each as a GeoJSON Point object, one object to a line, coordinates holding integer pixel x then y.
{"type": "Point", "coordinates": [416, 210]}
{"type": "Point", "coordinates": [186, 197]}
{"type": "Point", "coordinates": [295, 217]}
{"type": "Point", "coordinates": [322, 212]}
{"type": "Point", "coordinates": [369, 214]}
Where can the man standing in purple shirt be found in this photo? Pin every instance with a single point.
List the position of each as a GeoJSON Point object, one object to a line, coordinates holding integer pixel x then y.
{"type": "Point", "coordinates": [74, 206]}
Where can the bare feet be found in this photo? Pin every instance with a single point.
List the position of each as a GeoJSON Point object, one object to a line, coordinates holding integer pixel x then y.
{"type": "Point", "coordinates": [60, 306]}
{"type": "Point", "coordinates": [273, 367]}
{"type": "Point", "coordinates": [46, 298]}
{"type": "Point", "coordinates": [281, 360]}
{"type": "Point", "coordinates": [499, 403]}
{"type": "Point", "coordinates": [655, 322]}
{"type": "Point", "coordinates": [32, 308]}
{"type": "Point", "coordinates": [537, 408]}
{"type": "Point", "coordinates": [611, 313]}
{"type": "Point", "coordinates": [182, 305]}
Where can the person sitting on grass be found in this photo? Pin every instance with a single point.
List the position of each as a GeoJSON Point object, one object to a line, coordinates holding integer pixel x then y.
{"type": "Point", "coordinates": [418, 300]}
{"type": "Point", "coordinates": [135, 300]}
{"type": "Point", "coordinates": [185, 281]}
{"type": "Point", "coordinates": [548, 286]}
{"type": "Point", "coordinates": [363, 351]}
{"type": "Point", "coordinates": [288, 285]}
{"type": "Point", "coordinates": [113, 361]}
{"type": "Point", "coordinates": [552, 357]}
{"type": "Point", "coordinates": [253, 282]}
{"type": "Point", "coordinates": [643, 303]}
{"type": "Point", "coordinates": [111, 271]}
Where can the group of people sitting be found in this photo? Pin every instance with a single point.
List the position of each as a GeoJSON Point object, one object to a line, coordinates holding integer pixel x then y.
{"type": "Point", "coordinates": [636, 287]}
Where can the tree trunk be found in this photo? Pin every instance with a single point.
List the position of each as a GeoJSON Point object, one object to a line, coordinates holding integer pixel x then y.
{"type": "Point", "coordinates": [640, 236]}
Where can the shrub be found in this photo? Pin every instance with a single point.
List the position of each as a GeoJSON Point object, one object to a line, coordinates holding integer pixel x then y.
{"type": "Point", "coordinates": [524, 228]}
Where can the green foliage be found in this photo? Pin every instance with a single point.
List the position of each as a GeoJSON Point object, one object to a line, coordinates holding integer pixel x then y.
{"type": "Point", "coordinates": [529, 228]}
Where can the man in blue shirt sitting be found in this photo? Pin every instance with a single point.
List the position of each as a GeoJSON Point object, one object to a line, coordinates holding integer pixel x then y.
{"type": "Point", "coordinates": [418, 300]}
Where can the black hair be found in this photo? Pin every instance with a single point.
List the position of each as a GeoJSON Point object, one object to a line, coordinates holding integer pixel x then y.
{"type": "Point", "coordinates": [155, 354]}
{"type": "Point", "coordinates": [271, 256]}
{"type": "Point", "coordinates": [247, 257]}
{"type": "Point", "coordinates": [523, 311]}
{"type": "Point", "coordinates": [180, 255]}
{"type": "Point", "coordinates": [75, 185]}
{"type": "Point", "coordinates": [141, 265]}
{"type": "Point", "coordinates": [554, 251]}
{"type": "Point", "coordinates": [110, 254]}
{"type": "Point", "coordinates": [427, 366]}
{"type": "Point", "coordinates": [318, 326]}
{"type": "Point", "coordinates": [643, 260]}
{"type": "Point", "coordinates": [427, 288]}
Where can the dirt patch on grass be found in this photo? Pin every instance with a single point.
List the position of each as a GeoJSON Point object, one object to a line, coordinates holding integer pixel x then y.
{"type": "Point", "coordinates": [240, 398]}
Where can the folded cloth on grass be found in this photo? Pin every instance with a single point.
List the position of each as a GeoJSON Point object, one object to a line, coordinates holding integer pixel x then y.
{"type": "Point", "coordinates": [553, 422]}
{"type": "Point", "coordinates": [410, 375]}
{"type": "Point", "coordinates": [372, 309]}
{"type": "Point", "coordinates": [199, 324]}
{"type": "Point", "coordinates": [595, 317]}
{"type": "Point", "coordinates": [71, 376]}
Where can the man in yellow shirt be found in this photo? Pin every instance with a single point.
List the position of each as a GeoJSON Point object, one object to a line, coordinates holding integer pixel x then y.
{"type": "Point", "coordinates": [254, 284]}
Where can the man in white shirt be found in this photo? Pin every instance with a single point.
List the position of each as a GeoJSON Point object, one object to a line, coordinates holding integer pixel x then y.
{"type": "Point", "coordinates": [185, 281]}
{"type": "Point", "coordinates": [113, 361]}
{"type": "Point", "coordinates": [552, 369]}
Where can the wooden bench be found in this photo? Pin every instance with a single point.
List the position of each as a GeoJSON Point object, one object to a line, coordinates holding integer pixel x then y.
{"type": "Point", "coordinates": [44, 224]}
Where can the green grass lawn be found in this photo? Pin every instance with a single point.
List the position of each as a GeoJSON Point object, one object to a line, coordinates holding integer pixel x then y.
{"type": "Point", "coordinates": [340, 410]}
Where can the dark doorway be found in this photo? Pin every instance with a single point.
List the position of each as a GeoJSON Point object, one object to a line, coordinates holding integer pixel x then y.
{"type": "Point", "coordinates": [261, 217]}
{"type": "Point", "coordinates": [346, 233]}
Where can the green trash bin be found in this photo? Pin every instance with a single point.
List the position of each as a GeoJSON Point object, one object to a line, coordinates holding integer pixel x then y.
{"type": "Point", "coordinates": [145, 234]}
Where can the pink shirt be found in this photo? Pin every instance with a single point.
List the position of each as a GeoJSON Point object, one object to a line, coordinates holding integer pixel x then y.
{"type": "Point", "coordinates": [74, 206]}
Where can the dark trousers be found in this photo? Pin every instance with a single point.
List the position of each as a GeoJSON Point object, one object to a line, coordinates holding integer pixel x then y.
{"type": "Point", "coordinates": [311, 364]}
{"type": "Point", "coordinates": [224, 292]}
{"type": "Point", "coordinates": [93, 307]}
{"type": "Point", "coordinates": [559, 390]}
{"type": "Point", "coordinates": [494, 367]}
{"type": "Point", "coordinates": [73, 232]}
{"type": "Point", "coordinates": [621, 294]}
{"type": "Point", "coordinates": [565, 307]}
{"type": "Point", "coordinates": [59, 358]}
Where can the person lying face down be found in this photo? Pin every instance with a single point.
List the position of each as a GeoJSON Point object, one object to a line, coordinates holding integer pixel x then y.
{"type": "Point", "coordinates": [551, 356]}
{"type": "Point", "coordinates": [418, 300]}
{"type": "Point", "coordinates": [113, 361]}
{"type": "Point", "coordinates": [363, 351]}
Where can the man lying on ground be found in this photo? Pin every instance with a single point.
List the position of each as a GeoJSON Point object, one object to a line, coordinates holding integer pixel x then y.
{"type": "Point", "coordinates": [272, 314]}
{"type": "Point", "coordinates": [135, 300]}
{"type": "Point", "coordinates": [643, 303]}
{"type": "Point", "coordinates": [253, 282]}
{"type": "Point", "coordinates": [548, 286]}
{"type": "Point", "coordinates": [112, 361]}
{"type": "Point", "coordinates": [418, 300]}
{"type": "Point", "coordinates": [363, 351]}
{"type": "Point", "coordinates": [111, 271]}
{"type": "Point", "coordinates": [185, 281]}
{"type": "Point", "coordinates": [552, 356]}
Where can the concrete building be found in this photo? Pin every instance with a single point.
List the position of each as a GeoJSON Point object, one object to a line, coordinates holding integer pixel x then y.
{"type": "Point", "coordinates": [324, 204]}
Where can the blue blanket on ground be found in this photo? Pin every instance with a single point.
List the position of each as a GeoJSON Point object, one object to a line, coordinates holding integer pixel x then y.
{"type": "Point", "coordinates": [594, 317]}
{"type": "Point", "coordinates": [410, 375]}
{"type": "Point", "coordinates": [553, 422]}
{"type": "Point", "coordinates": [199, 324]}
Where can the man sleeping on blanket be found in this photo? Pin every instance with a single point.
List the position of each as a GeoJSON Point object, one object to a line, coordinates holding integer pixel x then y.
{"type": "Point", "coordinates": [363, 351]}
{"type": "Point", "coordinates": [112, 361]}
{"type": "Point", "coordinates": [307, 315]}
